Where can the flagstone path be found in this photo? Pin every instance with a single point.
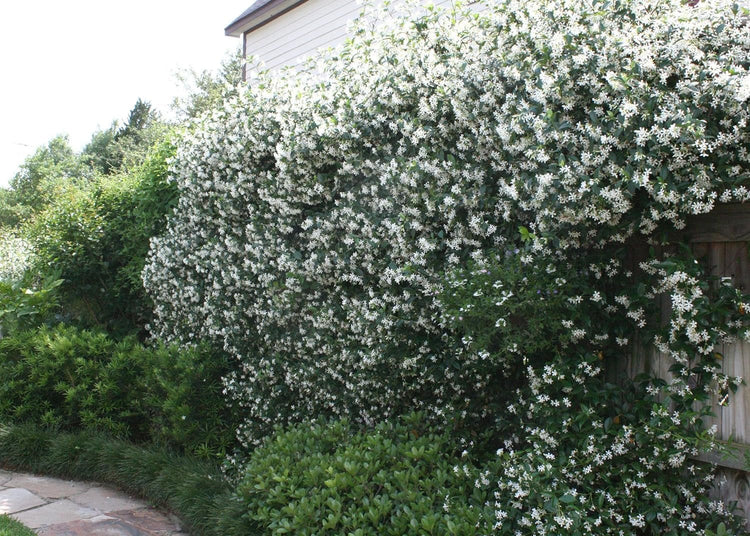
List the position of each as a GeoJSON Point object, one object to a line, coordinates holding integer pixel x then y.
{"type": "Point", "coordinates": [54, 507]}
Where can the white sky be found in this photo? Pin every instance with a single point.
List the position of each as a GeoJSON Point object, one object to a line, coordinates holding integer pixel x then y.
{"type": "Point", "coordinates": [72, 67]}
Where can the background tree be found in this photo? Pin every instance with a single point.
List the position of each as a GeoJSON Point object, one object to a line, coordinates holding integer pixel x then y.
{"type": "Point", "coordinates": [52, 167]}
{"type": "Point", "coordinates": [125, 145]}
{"type": "Point", "coordinates": [99, 153]}
{"type": "Point", "coordinates": [207, 89]}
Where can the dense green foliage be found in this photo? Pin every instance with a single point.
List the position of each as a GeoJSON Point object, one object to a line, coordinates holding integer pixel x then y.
{"type": "Point", "coordinates": [50, 170]}
{"type": "Point", "coordinates": [23, 308]}
{"type": "Point", "coordinates": [87, 219]}
{"type": "Point", "coordinates": [399, 479]}
{"type": "Point", "coordinates": [96, 239]}
{"type": "Point", "coordinates": [73, 379]}
{"type": "Point", "coordinates": [55, 167]}
{"type": "Point", "coordinates": [12, 212]}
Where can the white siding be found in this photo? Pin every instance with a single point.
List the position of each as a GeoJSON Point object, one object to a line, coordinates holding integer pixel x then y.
{"type": "Point", "coordinates": [315, 24]}
{"type": "Point", "coordinates": [301, 31]}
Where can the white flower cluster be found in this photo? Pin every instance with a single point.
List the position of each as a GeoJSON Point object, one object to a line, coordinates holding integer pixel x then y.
{"type": "Point", "coordinates": [588, 474]}
{"type": "Point", "coordinates": [320, 211]}
{"type": "Point", "coordinates": [15, 257]}
{"type": "Point", "coordinates": [693, 333]}
{"type": "Point", "coordinates": [684, 291]}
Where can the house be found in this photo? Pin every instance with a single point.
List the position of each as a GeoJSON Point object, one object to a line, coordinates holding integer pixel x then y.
{"type": "Point", "coordinates": [283, 32]}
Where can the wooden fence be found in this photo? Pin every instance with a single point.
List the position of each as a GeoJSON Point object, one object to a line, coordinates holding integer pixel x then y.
{"type": "Point", "coordinates": [720, 241]}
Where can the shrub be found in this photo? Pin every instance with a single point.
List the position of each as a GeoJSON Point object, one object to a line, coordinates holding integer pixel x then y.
{"type": "Point", "coordinates": [12, 212]}
{"type": "Point", "coordinates": [321, 212]}
{"type": "Point", "coordinates": [22, 307]}
{"type": "Point", "coordinates": [96, 238]}
{"type": "Point", "coordinates": [327, 478]}
{"type": "Point", "coordinates": [72, 379]}
{"type": "Point", "coordinates": [76, 379]}
{"type": "Point", "coordinates": [185, 397]}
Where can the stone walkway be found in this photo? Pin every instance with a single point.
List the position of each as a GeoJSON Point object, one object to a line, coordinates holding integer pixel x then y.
{"type": "Point", "coordinates": [54, 507]}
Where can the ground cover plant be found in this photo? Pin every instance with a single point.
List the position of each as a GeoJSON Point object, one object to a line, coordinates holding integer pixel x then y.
{"type": "Point", "coordinates": [10, 527]}
{"type": "Point", "coordinates": [334, 227]}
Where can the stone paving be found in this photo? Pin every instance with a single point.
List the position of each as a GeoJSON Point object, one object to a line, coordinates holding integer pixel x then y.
{"type": "Point", "coordinates": [54, 507]}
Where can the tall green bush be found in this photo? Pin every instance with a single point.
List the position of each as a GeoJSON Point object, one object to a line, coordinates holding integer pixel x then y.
{"type": "Point", "coordinates": [185, 398]}
{"type": "Point", "coordinates": [11, 211]}
{"type": "Point", "coordinates": [96, 238]}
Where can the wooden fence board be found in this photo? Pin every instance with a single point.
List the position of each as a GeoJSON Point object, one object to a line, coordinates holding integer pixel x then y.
{"type": "Point", "coordinates": [726, 223]}
{"type": "Point", "coordinates": [719, 241]}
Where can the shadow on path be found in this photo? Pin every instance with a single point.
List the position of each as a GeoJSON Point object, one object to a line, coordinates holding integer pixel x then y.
{"type": "Point", "coordinates": [55, 507]}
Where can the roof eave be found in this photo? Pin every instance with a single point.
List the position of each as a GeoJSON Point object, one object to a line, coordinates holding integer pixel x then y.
{"type": "Point", "coordinates": [259, 17]}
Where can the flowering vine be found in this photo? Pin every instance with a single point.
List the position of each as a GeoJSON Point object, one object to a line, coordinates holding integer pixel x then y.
{"type": "Point", "coordinates": [331, 221]}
